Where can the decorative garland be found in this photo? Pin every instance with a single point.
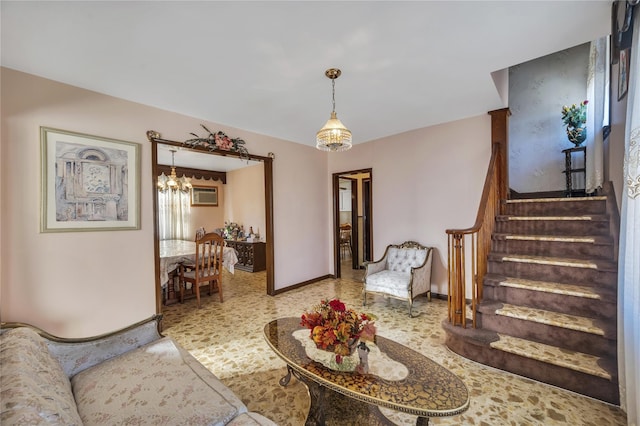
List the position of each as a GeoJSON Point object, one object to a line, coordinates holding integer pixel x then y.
{"type": "Point", "coordinates": [218, 141]}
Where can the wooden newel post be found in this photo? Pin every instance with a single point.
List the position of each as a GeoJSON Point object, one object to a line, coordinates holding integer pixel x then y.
{"type": "Point", "coordinates": [459, 287]}
{"type": "Point", "coordinates": [500, 141]}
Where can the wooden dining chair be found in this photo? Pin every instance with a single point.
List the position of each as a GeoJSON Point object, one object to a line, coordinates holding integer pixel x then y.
{"type": "Point", "coordinates": [345, 240]}
{"type": "Point", "coordinates": [208, 267]}
{"type": "Point", "coordinates": [200, 232]}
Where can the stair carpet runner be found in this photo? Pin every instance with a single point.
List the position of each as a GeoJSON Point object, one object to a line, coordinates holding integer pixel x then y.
{"type": "Point", "coordinates": [550, 294]}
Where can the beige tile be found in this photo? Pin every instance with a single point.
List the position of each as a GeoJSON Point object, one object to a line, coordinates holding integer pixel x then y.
{"type": "Point", "coordinates": [227, 338]}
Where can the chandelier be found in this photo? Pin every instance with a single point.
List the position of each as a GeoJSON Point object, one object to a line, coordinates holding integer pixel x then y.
{"type": "Point", "coordinates": [173, 182]}
{"type": "Point", "coordinates": [333, 136]}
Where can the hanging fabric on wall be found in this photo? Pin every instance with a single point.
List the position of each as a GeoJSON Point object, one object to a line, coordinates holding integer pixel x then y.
{"type": "Point", "coordinates": [629, 254]}
{"type": "Point", "coordinates": [597, 94]}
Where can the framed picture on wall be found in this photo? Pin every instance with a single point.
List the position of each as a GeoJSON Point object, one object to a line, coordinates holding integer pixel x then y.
{"type": "Point", "coordinates": [623, 73]}
{"type": "Point", "coordinates": [204, 196]}
{"type": "Point", "coordinates": [89, 183]}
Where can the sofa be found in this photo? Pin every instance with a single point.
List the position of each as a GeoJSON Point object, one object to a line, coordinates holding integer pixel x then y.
{"type": "Point", "coordinates": [132, 376]}
{"type": "Point", "coordinates": [403, 272]}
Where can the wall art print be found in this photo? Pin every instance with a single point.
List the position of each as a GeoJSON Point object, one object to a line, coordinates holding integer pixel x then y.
{"type": "Point", "coordinates": [89, 183]}
{"type": "Point", "coordinates": [623, 73]}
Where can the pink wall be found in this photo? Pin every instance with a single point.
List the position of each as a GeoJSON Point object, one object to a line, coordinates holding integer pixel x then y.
{"type": "Point", "coordinates": [81, 284]}
{"type": "Point", "coordinates": [85, 283]}
{"type": "Point", "coordinates": [245, 198]}
{"type": "Point", "coordinates": [424, 182]}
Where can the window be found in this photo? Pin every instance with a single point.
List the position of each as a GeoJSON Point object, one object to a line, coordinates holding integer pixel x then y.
{"type": "Point", "coordinates": [174, 215]}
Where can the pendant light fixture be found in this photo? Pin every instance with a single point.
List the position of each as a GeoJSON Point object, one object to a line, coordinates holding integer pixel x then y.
{"type": "Point", "coordinates": [333, 136]}
{"type": "Point", "coordinates": [173, 182]}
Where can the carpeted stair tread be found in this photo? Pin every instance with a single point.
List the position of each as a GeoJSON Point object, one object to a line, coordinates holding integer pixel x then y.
{"type": "Point", "coordinates": [557, 319]}
{"type": "Point", "coordinates": [554, 200]}
{"type": "Point", "coordinates": [577, 361]}
{"type": "Point", "coordinates": [555, 261]}
{"type": "Point", "coordinates": [588, 217]}
{"type": "Point", "coordinates": [555, 238]}
{"type": "Point", "coordinates": [551, 287]}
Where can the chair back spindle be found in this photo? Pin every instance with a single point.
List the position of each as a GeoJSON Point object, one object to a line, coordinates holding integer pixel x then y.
{"type": "Point", "coordinates": [208, 266]}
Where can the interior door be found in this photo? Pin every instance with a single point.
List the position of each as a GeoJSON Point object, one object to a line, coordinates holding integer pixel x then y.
{"type": "Point", "coordinates": [367, 252]}
{"type": "Point", "coordinates": [359, 217]}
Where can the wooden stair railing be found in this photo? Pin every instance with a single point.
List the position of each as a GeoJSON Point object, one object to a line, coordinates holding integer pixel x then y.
{"type": "Point", "coordinates": [474, 243]}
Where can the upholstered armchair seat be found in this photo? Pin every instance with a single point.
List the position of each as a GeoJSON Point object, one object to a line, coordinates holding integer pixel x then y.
{"type": "Point", "coordinates": [404, 272]}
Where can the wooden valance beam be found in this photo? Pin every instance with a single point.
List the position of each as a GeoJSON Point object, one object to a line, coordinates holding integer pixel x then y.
{"type": "Point", "coordinates": [194, 173]}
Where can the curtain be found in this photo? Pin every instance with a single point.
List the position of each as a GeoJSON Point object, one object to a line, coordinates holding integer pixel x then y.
{"type": "Point", "coordinates": [174, 215]}
{"type": "Point", "coordinates": [629, 258]}
{"type": "Point", "coordinates": [597, 94]}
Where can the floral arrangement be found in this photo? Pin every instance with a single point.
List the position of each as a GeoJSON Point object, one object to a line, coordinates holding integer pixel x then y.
{"type": "Point", "coordinates": [232, 231]}
{"type": "Point", "coordinates": [336, 329]}
{"type": "Point", "coordinates": [217, 140]}
{"type": "Point", "coordinates": [575, 118]}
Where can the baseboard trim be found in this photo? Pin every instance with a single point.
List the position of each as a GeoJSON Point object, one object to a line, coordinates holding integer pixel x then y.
{"type": "Point", "coordinates": [302, 284]}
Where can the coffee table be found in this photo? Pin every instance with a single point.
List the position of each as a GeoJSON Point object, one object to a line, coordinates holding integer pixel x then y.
{"type": "Point", "coordinates": [429, 390]}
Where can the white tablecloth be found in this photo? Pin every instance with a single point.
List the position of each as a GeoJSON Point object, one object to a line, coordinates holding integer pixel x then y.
{"type": "Point", "coordinates": [174, 252]}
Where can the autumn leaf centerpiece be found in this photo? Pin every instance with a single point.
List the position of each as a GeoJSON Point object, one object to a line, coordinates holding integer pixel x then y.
{"type": "Point", "coordinates": [336, 328]}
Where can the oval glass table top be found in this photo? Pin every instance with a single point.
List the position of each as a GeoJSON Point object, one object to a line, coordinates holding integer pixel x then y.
{"type": "Point", "coordinates": [429, 390]}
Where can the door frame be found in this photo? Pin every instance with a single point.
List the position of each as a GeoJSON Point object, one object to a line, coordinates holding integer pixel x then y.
{"type": "Point", "coordinates": [155, 139]}
{"type": "Point", "coordinates": [354, 215]}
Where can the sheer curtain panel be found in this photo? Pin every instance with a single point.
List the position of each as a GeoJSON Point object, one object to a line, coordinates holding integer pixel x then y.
{"type": "Point", "coordinates": [174, 215]}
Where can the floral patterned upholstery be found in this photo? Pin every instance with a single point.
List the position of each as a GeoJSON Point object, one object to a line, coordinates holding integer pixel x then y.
{"type": "Point", "coordinates": [404, 272]}
{"type": "Point", "coordinates": [159, 383]}
{"type": "Point", "coordinates": [131, 376]}
{"type": "Point", "coordinates": [34, 389]}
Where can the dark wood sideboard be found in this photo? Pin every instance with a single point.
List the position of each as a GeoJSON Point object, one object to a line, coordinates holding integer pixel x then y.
{"type": "Point", "coordinates": [252, 257]}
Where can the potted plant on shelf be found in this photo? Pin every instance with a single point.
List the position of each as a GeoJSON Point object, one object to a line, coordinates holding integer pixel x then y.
{"type": "Point", "coordinates": [575, 118]}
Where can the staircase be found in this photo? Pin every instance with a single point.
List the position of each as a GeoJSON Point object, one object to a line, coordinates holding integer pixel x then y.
{"type": "Point", "coordinates": [549, 309]}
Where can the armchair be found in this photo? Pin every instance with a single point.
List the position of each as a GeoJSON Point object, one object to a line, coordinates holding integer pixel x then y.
{"type": "Point", "coordinates": [404, 273]}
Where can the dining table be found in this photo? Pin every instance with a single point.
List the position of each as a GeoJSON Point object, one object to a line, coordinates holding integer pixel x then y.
{"type": "Point", "coordinates": [175, 252]}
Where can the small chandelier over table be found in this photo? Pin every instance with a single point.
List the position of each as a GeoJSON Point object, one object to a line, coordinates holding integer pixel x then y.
{"type": "Point", "coordinates": [173, 182]}
{"type": "Point", "coordinates": [333, 136]}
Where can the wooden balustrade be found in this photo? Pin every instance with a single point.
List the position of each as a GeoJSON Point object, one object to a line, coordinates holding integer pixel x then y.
{"type": "Point", "coordinates": [474, 243]}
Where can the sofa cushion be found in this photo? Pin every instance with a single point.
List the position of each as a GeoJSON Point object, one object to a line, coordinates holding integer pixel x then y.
{"type": "Point", "coordinates": [159, 383]}
{"type": "Point", "coordinates": [403, 259]}
{"type": "Point", "coordinates": [389, 282]}
{"type": "Point", "coordinates": [34, 389]}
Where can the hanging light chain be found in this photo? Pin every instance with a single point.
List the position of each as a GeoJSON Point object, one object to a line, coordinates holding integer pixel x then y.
{"type": "Point", "coordinates": [333, 97]}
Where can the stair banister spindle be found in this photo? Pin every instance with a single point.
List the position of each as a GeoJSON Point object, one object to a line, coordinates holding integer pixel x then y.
{"type": "Point", "coordinates": [458, 289]}
{"type": "Point", "coordinates": [474, 271]}
{"type": "Point", "coordinates": [450, 278]}
{"type": "Point", "coordinates": [495, 189]}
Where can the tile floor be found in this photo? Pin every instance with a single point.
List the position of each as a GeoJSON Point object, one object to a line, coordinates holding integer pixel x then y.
{"type": "Point", "coordinates": [227, 338]}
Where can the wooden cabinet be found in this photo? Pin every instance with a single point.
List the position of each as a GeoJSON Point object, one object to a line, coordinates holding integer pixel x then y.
{"type": "Point", "coordinates": [252, 257]}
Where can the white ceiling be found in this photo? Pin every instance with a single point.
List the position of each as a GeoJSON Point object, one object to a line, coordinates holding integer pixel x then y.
{"type": "Point", "coordinates": [259, 66]}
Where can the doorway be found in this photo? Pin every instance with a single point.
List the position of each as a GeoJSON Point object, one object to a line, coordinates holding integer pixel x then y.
{"type": "Point", "coordinates": [156, 141]}
{"type": "Point", "coordinates": [352, 208]}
